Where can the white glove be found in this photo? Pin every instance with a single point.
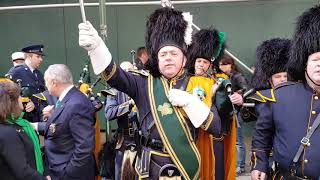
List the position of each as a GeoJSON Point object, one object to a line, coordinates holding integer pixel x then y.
{"type": "Point", "coordinates": [195, 109]}
{"type": "Point", "coordinates": [99, 53]}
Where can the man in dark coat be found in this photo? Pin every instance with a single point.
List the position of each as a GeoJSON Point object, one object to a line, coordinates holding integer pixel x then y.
{"type": "Point", "coordinates": [69, 132]}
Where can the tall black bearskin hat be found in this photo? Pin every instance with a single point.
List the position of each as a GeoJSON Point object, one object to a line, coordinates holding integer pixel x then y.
{"type": "Point", "coordinates": [206, 43]}
{"type": "Point", "coordinates": [272, 57]}
{"type": "Point", "coordinates": [166, 27]}
{"type": "Point", "coordinates": [306, 41]}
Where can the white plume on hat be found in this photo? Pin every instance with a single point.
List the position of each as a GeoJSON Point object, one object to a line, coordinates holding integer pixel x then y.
{"type": "Point", "coordinates": [188, 33]}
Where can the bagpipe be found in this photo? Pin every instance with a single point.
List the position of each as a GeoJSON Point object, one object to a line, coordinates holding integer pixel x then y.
{"type": "Point", "coordinates": [224, 106]}
{"type": "Point", "coordinates": [26, 93]}
{"type": "Point", "coordinates": [247, 111]}
{"type": "Point", "coordinates": [87, 89]}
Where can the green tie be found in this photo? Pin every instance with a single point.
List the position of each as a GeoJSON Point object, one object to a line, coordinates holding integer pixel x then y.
{"type": "Point", "coordinates": [58, 104]}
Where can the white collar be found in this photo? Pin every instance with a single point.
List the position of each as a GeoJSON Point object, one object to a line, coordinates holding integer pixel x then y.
{"type": "Point", "coordinates": [64, 92]}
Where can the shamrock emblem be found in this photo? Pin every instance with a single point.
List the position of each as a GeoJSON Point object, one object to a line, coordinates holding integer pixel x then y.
{"type": "Point", "coordinates": [165, 109]}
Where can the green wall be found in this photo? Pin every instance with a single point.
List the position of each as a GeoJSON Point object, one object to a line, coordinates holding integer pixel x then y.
{"type": "Point", "coordinates": [245, 23]}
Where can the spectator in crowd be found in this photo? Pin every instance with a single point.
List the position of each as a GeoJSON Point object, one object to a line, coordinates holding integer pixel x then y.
{"type": "Point", "coordinates": [239, 85]}
{"type": "Point", "coordinates": [20, 155]}
{"type": "Point", "coordinates": [142, 58]}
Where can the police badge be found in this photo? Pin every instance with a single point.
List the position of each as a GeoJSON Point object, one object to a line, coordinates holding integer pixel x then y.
{"type": "Point", "coordinates": [52, 128]}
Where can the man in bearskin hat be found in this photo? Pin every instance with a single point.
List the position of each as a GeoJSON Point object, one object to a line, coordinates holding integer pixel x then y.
{"type": "Point", "coordinates": [170, 116]}
{"type": "Point", "coordinates": [272, 57]}
{"type": "Point", "coordinates": [288, 121]}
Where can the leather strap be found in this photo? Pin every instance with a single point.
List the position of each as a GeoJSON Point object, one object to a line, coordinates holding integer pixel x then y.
{"type": "Point", "coordinates": [305, 141]}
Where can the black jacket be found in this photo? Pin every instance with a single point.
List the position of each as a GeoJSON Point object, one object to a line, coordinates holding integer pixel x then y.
{"type": "Point", "coordinates": [17, 159]}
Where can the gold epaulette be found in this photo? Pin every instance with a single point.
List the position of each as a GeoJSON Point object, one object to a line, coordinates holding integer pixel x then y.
{"type": "Point", "coordinates": [144, 73]}
{"type": "Point", "coordinates": [264, 96]}
{"type": "Point", "coordinates": [40, 96]}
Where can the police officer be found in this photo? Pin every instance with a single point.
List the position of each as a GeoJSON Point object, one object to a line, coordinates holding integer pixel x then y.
{"type": "Point", "coordinates": [169, 116]}
{"type": "Point", "coordinates": [17, 59]}
{"type": "Point", "coordinates": [287, 123]}
{"type": "Point", "coordinates": [30, 78]}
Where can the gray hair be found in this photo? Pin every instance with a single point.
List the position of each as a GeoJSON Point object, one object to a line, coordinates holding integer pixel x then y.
{"type": "Point", "coordinates": [60, 73]}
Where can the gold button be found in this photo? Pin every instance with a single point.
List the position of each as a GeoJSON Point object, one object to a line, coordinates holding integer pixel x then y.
{"type": "Point", "coordinates": [316, 97]}
{"type": "Point", "coordinates": [306, 161]}
{"type": "Point", "coordinates": [313, 112]}
{"type": "Point", "coordinates": [309, 127]}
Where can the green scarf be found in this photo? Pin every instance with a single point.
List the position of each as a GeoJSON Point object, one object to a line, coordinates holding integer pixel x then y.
{"type": "Point", "coordinates": [26, 126]}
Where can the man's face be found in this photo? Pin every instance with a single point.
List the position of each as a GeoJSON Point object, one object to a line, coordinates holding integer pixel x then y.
{"type": "Point", "coordinates": [35, 60]}
{"type": "Point", "coordinates": [278, 78]}
{"type": "Point", "coordinates": [171, 61]}
{"type": "Point", "coordinates": [201, 66]}
{"type": "Point", "coordinates": [313, 67]}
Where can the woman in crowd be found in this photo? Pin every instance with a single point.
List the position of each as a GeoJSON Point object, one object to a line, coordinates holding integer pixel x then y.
{"type": "Point", "coordinates": [20, 155]}
{"type": "Point", "coordinates": [239, 86]}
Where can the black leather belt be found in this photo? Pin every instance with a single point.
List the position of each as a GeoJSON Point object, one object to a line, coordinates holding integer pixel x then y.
{"type": "Point", "coordinates": [154, 144]}
{"type": "Point", "coordinates": [126, 132]}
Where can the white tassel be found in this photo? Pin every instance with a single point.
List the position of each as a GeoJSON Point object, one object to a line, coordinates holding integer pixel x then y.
{"type": "Point", "coordinates": [188, 33]}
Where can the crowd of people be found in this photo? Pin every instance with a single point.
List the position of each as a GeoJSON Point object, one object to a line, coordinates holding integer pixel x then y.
{"type": "Point", "coordinates": [180, 111]}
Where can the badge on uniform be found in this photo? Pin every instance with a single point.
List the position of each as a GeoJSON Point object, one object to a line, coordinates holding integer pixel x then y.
{"type": "Point", "coordinates": [52, 128]}
{"type": "Point", "coordinates": [169, 172]}
{"type": "Point", "coordinates": [199, 92]}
